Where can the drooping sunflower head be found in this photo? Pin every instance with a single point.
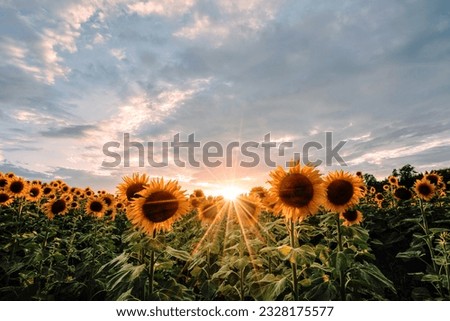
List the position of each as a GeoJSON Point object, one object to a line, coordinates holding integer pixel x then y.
{"type": "Point", "coordinates": [402, 193]}
{"type": "Point", "coordinates": [248, 208]}
{"type": "Point", "coordinates": [351, 217]}
{"type": "Point", "coordinates": [343, 190]}
{"type": "Point", "coordinates": [130, 188]}
{"type": "Point", "coordinates": [208, 211]}
{"type": "Point", "coordinates": [17, 187]}
{"type": "Point", "coordinates": [296, 193]}
{"type": "Point", "coordinates": [56, 206]}
{"type": "Point", "coordinates": [95, 206]}
{"type": "Point", "coordinates": [424, 189]}
{"type": "Point", "coordinates": [393, 180]}
{"type": "Point", "coordinates": [158, 206]}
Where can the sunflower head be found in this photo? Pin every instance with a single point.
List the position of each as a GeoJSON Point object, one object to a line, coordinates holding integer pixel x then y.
{"type": "Point", "coordinates": [3, 181]}
{"type": "Point", "coordinates": [17, 187]}
{"type": "Point", "coordinates": [372, 190]}
{"type": "Point", "coordinates": [393, 180]}
{"type": "Point", "coordinates": [424, 189]}
{"type": "Point", "coordinates": [208, 211]}
{"type": "Point", "coordinates": [130, 188]}
{"type": "Point", "coordinates": [56, 206]}
{"type": "Point", "coordinates": [196, 198]}
{"type": "Point", "coordinates": [359, 174]}
{"type": "Point", "coordinates": [109, 199]}
{"type": "Point", "coordinates": [34, 192]}
{"type": "Point", "coordinates": [5, 198]}
{"type": "Point", "coordinates": [351, 217]}
{"type": "Point", "coordinates": [95, 206]}
{"type": "Point", "coordinates": [402, 193]}
{"type": "Point", "coordinates": [434, 178]}
{"type": "Point", "coordinates": [343, 190]}
{"type": "Point", "coordinates": [296, 193]}
{"type": "Point", "coordinates": [259, 191]}
{"type": "Point", "coordinates": [158, 206]}
{"type": "Point", "coordinates": [379, 197]}
{"type": "Point", "coordinates": [386, 187]}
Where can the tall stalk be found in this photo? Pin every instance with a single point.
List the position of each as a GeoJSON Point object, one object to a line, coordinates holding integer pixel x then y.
{"type": "Point", "coordinates": [293, 264]}
{"type": "Point", "coordinates": [341, 249]}
{"type": "Point", "coordinates": [152, 268]}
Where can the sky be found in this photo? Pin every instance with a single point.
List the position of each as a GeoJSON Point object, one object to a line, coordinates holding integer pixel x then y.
{"type": "Point", "coordinates": [75, 75]}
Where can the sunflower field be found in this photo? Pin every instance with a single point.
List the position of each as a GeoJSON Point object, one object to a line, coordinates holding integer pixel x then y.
{"type": "Point", "coordinates": [308, 236]}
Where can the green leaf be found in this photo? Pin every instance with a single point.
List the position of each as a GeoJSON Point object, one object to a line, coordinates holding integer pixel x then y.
{"type": "Point", "coordinates": [181, 255]}
{"type": "Point", "coordinates": [341, 262]}
{"type": "Point", "coordinates": [409, 255]}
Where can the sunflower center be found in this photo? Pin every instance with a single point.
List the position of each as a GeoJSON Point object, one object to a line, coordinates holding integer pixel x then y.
{"type": "Point", "coordinates": [58, 207]}
{"type": "Point", "coordinates": [96, 206]}
{"type": "Point", "coordinates": [340, 192]}
{"type": "Point", "coordinates": [108, 201]}
{"type": "Point", "coordinates": [296, 190]}
{"type": "Point", "coordinates": [350, 215]}
{"type": "Point", "coordinates": [3, 182]}
{"type": "Point", "coordinates": [403, 193]}
{"type": "Point", "coordinates": [34, 191]}
{"type": "Point", "coordinates": [160, 206]}
{"type": "Point", "coordinates": [132, 190]}
{"type": "Point", "coordinates": [433, 179]}
{"type": "Point", "coordinates": [425, 189]}
{"type": "Point", "coordinates": [4, 197]}
{"type": "Point", "coordinates": [47, 190]}
{"type": "Point", "coordinates": [16, 187]}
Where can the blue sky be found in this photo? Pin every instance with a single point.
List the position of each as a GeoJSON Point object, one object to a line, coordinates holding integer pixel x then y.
{"type": "Point", "coordinates": [77, 74]}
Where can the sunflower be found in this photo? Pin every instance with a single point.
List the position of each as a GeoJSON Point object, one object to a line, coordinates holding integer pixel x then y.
{"type": "Point", "coordinates": [379, 197]}
{"type": "Point", "coordinates": [402, 193]}
{"type": "Point", "coordinates": [88, 192]}
{"type": "Point", "coordinates": [372, 190]}
{"type": "Point", "coordinates": [424, 189]}
{"type": "Point", "coordinates": [159, 205]}
{"type": "Point", "coordinates": [5, 198]}
{"type": "Point", "coordinates": [196, 198]}
{"type": "Point", "coordinates": [96, 206]}
{"type": "Point", "coordinates": [207, 211]}
{"type": "Point", "coordinates": [108, 199]}
{"type": "Point", "coordinates": [131, 186]}
{"type": "Point", "coordinates": [34, 192]}
{"type": "Point", "coordinates": [3, 181]}
{"type": "Point", "coordinates": [393, 180]}
{"type": "Point", "coordinates": [47, 190]}
{"type": "Point", "coordinates": [17, 187]}
{"type": "Point", "coordinates": [359, 174]}
{"type": "Point", "coordinates": [386, 187]}
{"type": "Point", "coordinates": [433, 178]}
{"type": "Point", "coordinates": [343, 191]}
{"type": "Point", "coordinates": [120, 206]}
{"type": "Point", "coordinates": [248, 209]}
{"type": "Point", "coordinates": [351, 217]}
{"type": "Point", "coordinates": [56, 206]}
{"type": "Point", "coordinates": [296, 193]}
{"type": "Point", "coordinates": [74, 205]}
{"type": "Point", "coordinates": [259, 191]}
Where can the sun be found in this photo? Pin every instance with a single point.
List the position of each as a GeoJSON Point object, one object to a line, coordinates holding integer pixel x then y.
{"type": "Point", "coordinates": [230, 192]}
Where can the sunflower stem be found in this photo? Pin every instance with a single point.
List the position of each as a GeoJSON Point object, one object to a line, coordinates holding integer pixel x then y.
{"type": "Point", "coordinates": [429, 242]}
{"type": "Point", "coordinates": [293, 264]}
{"type": "Point", "coordinates": [152, 269]}
{"type": "Point", "coordinates": [341, 249]}
{"type": "Point", "coordinates": [241, 271]}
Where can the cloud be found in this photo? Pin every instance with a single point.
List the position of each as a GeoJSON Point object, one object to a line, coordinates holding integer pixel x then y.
{"type": "Point", "coordinates": [75, 131]}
